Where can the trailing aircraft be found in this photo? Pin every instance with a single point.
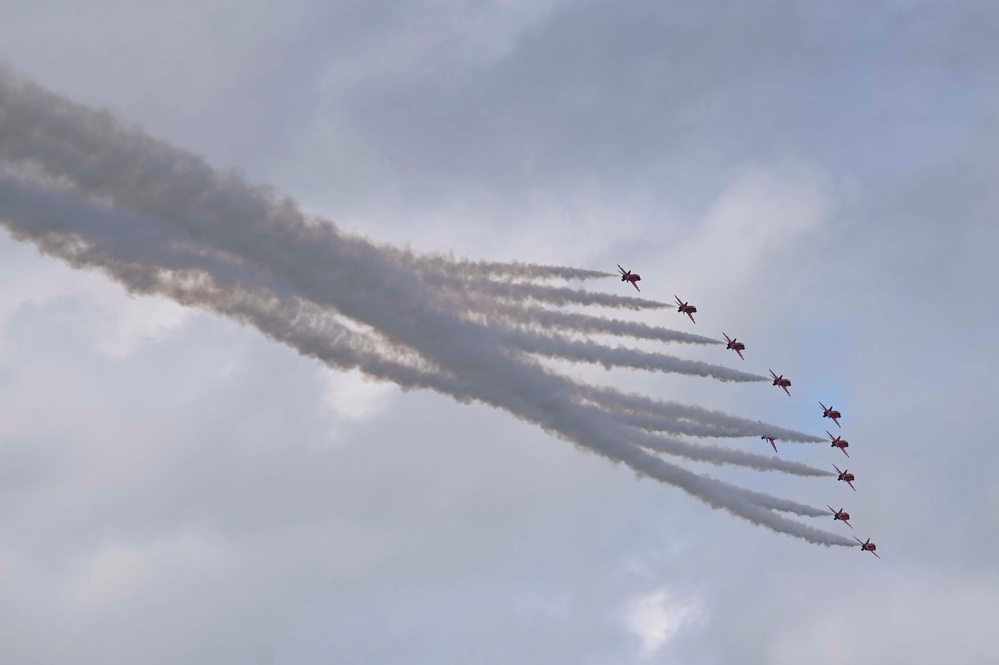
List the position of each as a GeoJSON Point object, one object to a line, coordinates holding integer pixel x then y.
{"type": "Point", "coordinates": [735, 345]}
{"type": "Point", "coordinates": [782, 382]}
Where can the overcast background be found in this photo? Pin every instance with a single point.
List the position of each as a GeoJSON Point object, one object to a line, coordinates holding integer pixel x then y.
{"type": "Point", "coordinates": [818, 178]}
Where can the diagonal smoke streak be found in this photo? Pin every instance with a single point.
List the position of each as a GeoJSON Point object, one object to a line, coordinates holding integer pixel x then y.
{"type": "Point", "coordinates": [595, 325]}
{"type": "Point", "coordinates": [283, 322]}
{"type": "Point", "coordinates": [40, 215]}
{"type": "Point", "coordinates": [317, 263]}
{"type": "Point", "coordinates": [279, 322]}
{"type": "Point", "coordinates": [720, 455]}
{"type": "Point", "coordinates": [312, 330]}
{"type": "Point", "coordinates": [516, 270]}
{"type": "Point", "coordinates": [645, 411]}
{"type": "Point", "coordinates": [573, 321]}
{"type": "Point", "coordinates": [651, 423]}
{"type": "Point", "coordinates": [554, 346]}
{"type": "Point", "coordinates": [90, 236]}
{"type": "Point", "coordinates": [558, 295]}
{"type": "Point", "coordinates": [136, 237]}
{"type": "Point", "coordinates": [445, 269]}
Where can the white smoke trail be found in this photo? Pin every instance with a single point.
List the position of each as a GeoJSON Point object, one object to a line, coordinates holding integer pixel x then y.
{"type": "Point", "coordinates": [558, 295]}
{"type": "Point", "coordinates": [653, 423]}
{"type": "Point", "coordinates": [521, 313]}
{"type": "Point", "coordinates": [595, 325]}
{"type": "Point", "coordinates": [448, 265]}
{"type": "Point", "coordinates": [346, 350]}
{"type": "Point", "coordinates": [554, 346]}
{"type": "Point", "coordinates": [39, 214]}
{"type": "Point", "coordinates": [131, 236]}
{"type": "Point", "coordinates": [310, 330]}
{"type": "Point", "coordinates": [245, 229]}
{"type": "Point", "coordinates": [646, 410]}
{"type": "Point", "coordinates": [721, 455]}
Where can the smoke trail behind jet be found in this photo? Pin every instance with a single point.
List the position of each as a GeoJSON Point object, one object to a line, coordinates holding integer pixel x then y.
{"type": "Point", "coordinates": [159, 220]}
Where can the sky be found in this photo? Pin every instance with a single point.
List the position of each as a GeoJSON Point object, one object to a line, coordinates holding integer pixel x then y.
{"type": "Point", "coordinates": [817, 179]}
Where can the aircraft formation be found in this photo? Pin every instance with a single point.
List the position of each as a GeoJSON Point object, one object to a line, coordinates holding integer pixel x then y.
{"type": "Point", "coordinates": [779, 381]}
{"type": "Point", "coordinates": [97, 193]}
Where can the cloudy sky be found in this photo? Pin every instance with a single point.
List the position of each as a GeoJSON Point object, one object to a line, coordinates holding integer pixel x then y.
{"type": "Point", "coordinates": [817, 178]}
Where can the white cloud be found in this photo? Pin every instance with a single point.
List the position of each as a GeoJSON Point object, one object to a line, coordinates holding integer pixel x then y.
{"type": "Point", "coordinates": [127, 323]}
{"type": "Point", "coordinates": [123, 322]}
{"type": "Point", "coordinates": [748, 234]}
{"type": "Point", "coordinates": [354, 397]}
{"type": "Point", "coordinates": [657, 617]}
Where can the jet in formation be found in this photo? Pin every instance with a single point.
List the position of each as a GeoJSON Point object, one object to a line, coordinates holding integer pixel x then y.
{"type": "Point", "coordinates": [782, 382]}
{"type": "Point", "coordinates": [839, 442]}
{"type": "Point", "coordinates": [867, 546]}
{"type": "Point", "coordinates": [628, 276]}
{"type": "Point", "coordinates": [829, 412]}
{"type": "Point", "coordinates": [685, 308]}
{"type": "Point", "coordinates": [846, 476]}
{"type": "Point", "coordinates": [735, 345]}
{"type": "Point", "coordinates": [840, 515]}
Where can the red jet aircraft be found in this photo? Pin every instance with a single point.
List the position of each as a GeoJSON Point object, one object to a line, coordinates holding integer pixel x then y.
{"type": "Point", "coordinates": [628, 276]}
{"type": "Point", "coordinates": [771, 439]}
{"type": "Point", "coordinates": [840, 515]}
{"type": "Point", "coordinates": [839, 442]}
{"type": "Point", "coordinates": [867, 547]}
{"type": "Point", "coordinates": [781, 381]}
{"type": "Point", "coordinates": [685, 308]}
{"type": "Point", "coordinates": [847, 476]}
{"type": "Point", "coordinates": [829, 412]}
{"type": "Point", "coordinates": [735, 345]}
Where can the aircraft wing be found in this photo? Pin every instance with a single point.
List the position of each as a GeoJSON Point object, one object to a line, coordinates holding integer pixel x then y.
{"type": "Point", "coordinates": [740, 354]}
{"type": "Point", "coordinates": [850, 483]}
{"type": "Point", "coordinates": [636, 287]}
{"type": "Point", "coordinates": [837, 423]}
